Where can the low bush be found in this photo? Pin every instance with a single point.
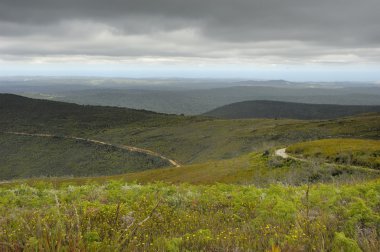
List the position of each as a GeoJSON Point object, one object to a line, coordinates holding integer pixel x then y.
{"type": "Point", "coordinates": [162, 217]}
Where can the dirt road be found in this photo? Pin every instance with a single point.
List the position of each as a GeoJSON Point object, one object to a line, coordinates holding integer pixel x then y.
{"type": "Point", "coordinates": [123, 147]}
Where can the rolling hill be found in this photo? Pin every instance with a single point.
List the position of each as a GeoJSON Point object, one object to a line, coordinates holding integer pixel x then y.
{"type": "Point", "coordinates": [275, 109]}
{"type": "Point", "coordinates": [29, 156]}
{"type": "Point", "coordinates": [357, 152]}
{"type": "Point", "coordinates": [249, 169]}
{"type": "Point", "coordinates": [21, 113]}
{"type": "Point", "coordinates": [64, 154]}
{"type": "Point", "coordinates": [186, 139]}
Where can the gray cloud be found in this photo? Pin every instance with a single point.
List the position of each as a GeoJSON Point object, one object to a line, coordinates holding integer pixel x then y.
{"type": "Point", "coordinates": [278, 30]}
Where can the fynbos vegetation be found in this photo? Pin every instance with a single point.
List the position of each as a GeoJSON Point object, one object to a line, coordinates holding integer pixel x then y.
{"type": "Point", "coordinates": [161, 217]}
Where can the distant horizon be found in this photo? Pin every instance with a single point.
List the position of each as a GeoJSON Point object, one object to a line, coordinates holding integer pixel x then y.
{"type": "Point", "coordinates": [206, 78]}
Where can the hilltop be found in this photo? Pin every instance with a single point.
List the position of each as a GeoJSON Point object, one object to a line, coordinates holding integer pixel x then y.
{"type": "Point", "coordinates": [276, 109]}
{"type": "Point", "coordinates": [24, 113]}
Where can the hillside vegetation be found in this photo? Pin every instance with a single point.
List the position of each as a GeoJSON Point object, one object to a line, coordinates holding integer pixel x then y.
{"type": "Point", "coordinates": [160, 217]}
{"type": "Point", "coordinates": [28, 156]}
{"type": "Point", "coordinates": [343, 151]}
{"type": "Point", "coordinates": [199, 140]}
{"type": "Point", "coordinates": [275, 109]}
{"type": "Point", "coordinates": [259, 169]}
{"type": "Point", "coordinates": [20, 113]}
{"type": "Point", "coordinates": [187, 139]}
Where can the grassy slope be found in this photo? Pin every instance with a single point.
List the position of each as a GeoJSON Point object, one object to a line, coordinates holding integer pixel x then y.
{"type": "Point", "coordinates": [199, 140]}
{"type": "Point", "coordinates": [32, 156]}
{"type": "Point", "coordinates": [347, 151]}
{"type": "Point", "coordinates": [25, 156]}
{"type": "Point", "coordinates": [190, 140]}
{"type": "Point", "coordinates": [187, 139]}
{"type": "Point", "coordinates": [275, 109]}
{"type": "Point", "coordinates": [253, 168]}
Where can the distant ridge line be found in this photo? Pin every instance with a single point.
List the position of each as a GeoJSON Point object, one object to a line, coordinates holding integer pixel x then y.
{"type": "Point", "coordinates": [290, 110]}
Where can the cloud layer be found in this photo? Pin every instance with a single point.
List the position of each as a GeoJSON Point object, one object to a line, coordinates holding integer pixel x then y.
{"type": "Point", "coordinates": [191, 32]}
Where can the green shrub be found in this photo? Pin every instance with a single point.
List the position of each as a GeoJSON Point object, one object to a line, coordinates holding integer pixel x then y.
{"type": "Point", "coordinates": [343, 244]}
{"type": "Point", "coordinates": [163, 217]}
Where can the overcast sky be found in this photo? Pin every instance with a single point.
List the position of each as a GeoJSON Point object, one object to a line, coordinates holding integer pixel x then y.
{"type": "Point", "coordinates": [289, 39]}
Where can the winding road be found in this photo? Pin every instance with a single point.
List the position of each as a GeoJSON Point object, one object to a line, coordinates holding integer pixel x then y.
{"type": "Point", "coordinates": [282, 153]}
{"type": "Point", "coordinates": [122, 147]}
{"type": "Point", "coordinates": [279, 152]}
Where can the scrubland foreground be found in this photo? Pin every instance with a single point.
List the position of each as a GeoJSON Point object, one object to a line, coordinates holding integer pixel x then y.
{"type": "Point", "coordinates": [120, 216]}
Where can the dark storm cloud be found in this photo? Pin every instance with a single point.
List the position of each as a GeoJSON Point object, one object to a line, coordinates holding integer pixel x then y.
{"type": "Point", "coordinates": [208, 28]}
